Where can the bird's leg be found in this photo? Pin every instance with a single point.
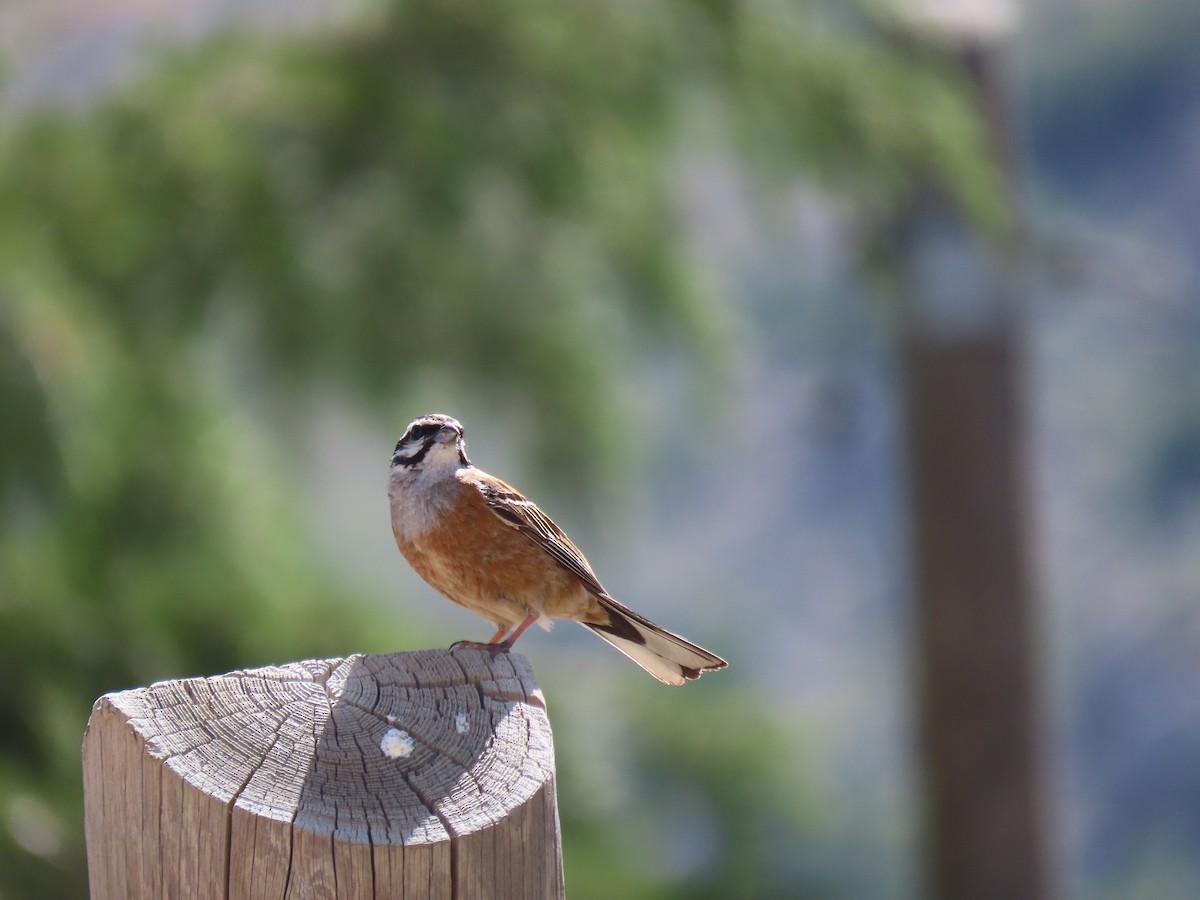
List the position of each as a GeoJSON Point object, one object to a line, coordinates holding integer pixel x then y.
{"type": "Point", "coordinates": [506, 644]}
{"type": "Point", "coordinates": [495, 644]}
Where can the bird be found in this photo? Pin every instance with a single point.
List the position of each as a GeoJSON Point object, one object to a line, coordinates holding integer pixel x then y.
{"type": "Point", "coordinates": [482, 544]}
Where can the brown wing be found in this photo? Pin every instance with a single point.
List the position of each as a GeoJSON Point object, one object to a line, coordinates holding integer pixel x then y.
{"type": "Point", "coordinates": [523, 514]}
{"type": "Point", "coordinates": [665, 655]}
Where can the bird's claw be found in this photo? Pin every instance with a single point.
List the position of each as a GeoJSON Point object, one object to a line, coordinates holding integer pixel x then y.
{"type": "Point", "coordinates": [500, 647]}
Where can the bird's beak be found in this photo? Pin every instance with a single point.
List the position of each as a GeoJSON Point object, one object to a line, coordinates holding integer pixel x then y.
{"type": "Point", "coordinates": [446, 434]}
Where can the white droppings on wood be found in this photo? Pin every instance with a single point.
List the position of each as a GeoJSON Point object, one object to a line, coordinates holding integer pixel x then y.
{"type": "Point", "coordinates": [396, 744]}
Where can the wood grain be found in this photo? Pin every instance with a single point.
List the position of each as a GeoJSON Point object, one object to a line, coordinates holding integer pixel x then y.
{"type": "Point", "coordinates": [426, 774]}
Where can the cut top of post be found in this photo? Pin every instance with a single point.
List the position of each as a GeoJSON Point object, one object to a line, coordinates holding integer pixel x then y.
{"type": "Point", "coordinates": [403, 748]}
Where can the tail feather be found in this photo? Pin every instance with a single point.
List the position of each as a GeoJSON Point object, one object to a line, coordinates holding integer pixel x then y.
{"type": "Point", "coordinates": [668, 657]}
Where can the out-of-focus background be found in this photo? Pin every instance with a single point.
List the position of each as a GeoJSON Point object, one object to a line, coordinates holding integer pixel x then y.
{"type": "Point", "coordinates": [648, 254]}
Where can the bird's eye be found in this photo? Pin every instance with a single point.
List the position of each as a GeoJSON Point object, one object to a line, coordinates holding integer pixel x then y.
{"type": "Point", "coordinates": [420, 432]}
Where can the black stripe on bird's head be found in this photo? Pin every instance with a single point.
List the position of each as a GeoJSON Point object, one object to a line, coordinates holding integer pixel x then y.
{"type": "Point", "coordinates": [423, 434]}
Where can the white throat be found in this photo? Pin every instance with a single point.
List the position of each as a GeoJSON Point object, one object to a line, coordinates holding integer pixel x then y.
{"type": "Point", "coordinates": [419, 493]}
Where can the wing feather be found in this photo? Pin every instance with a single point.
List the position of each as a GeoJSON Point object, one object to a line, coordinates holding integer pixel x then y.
{"type": "Point", "coordinates": [665, 655]}
{"type": "Point", "coordinates": [516, 510]}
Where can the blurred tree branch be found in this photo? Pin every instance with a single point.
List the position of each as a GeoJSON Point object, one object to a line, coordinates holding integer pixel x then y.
{"type": "Point", "coordinates": [485, 191]}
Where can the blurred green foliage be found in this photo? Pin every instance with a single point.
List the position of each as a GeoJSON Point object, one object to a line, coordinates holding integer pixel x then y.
{"type": "Point", "coordinates": [488, 192]}
{"type": "Point", "coordinates": [716, 803]}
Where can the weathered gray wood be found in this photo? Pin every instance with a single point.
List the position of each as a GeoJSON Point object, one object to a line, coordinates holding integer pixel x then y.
{"type": "Point", "coordinates": [406, 775]}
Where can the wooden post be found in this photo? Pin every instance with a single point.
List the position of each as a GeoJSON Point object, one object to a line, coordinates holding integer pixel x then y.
{"type": "Point", "coordinates": [980, 694]}
{"type": "Point", "coordinates": [407, 775]}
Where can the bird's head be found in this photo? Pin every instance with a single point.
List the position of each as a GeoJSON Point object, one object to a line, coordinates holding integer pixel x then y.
{"type": "Point", "coordinates": [429, 441]}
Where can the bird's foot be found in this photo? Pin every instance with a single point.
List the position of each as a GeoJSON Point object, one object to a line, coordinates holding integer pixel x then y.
{"type": "Point", "coordinates": [499, 647]}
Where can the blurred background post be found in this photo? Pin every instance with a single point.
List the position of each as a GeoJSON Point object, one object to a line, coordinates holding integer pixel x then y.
{"type": "Point", "coordinates": [978, 656]}
{"type": "Point", "coordinates": [664, 262]}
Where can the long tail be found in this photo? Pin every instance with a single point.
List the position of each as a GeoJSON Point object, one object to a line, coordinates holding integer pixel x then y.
{"type": "Point", "coordinates": [666, 656]}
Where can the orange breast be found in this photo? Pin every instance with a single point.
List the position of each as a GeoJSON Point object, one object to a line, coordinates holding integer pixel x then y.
{"type": "Point", "coordinates": [492, 569]}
